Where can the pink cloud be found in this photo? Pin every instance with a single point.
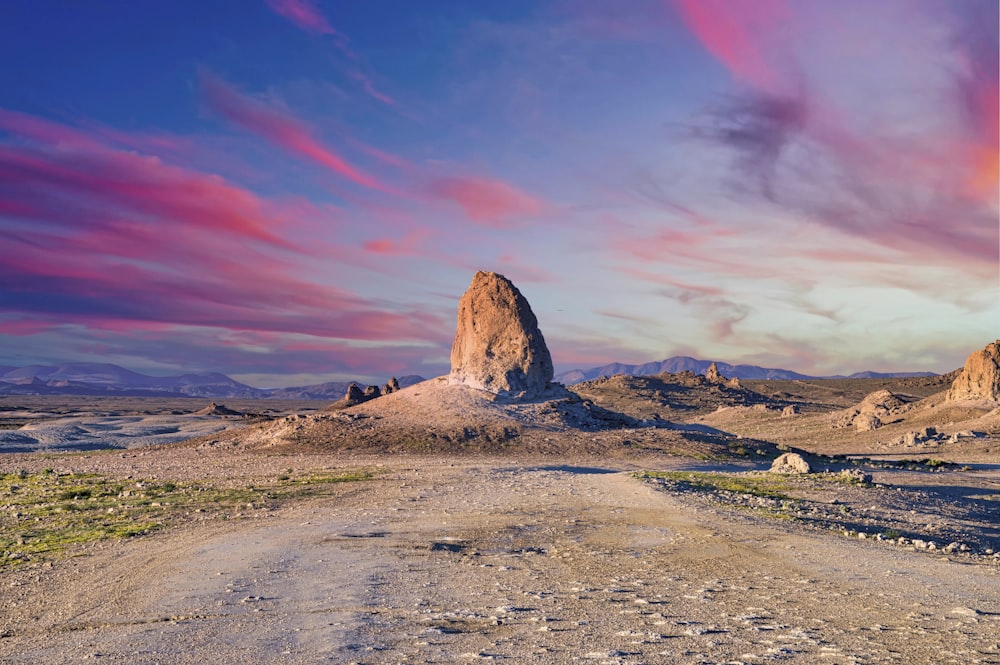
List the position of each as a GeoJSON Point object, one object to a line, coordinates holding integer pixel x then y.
{"type": "Point", "coordinates": [108, 238]}
{"type": "Point", "coordinates": [280, 129]}
{"type": "Point", "coordinates": [369, 87]}
{"type": "Point", "coordinates": [698, 289]}
{"type": "Point", "coordinates": [734, 33]}
{"type": "Point", "coordinates": [486, 201]}
{"type": "Point", "coordinates": [303, 14]}
{"type": "Point", "coordinates": [929, 194]}
{"type": "Point", "coordinates": [408, 245]}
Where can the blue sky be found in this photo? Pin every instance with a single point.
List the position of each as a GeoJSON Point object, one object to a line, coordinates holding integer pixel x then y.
{"type": "Point", "coordinates": [291, 191]}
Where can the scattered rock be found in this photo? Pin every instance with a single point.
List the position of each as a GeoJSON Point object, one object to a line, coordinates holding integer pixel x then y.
{"type": "Point", "coordinates": [856, 476]}
{"type": "Point", "coordinates": [790, 463]}
{"type": "Point", "coordinates": [964, 434]}
{"type": "Point", "coordinates": [498, 346]}
{"type": "Point", "coordinates": [920, 437]}
{"type": "Point", "coordinates": [980, 377]}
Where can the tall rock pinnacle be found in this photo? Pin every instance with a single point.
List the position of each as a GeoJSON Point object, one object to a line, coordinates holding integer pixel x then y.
{"type": "Point", "coordinates": [498, 346]}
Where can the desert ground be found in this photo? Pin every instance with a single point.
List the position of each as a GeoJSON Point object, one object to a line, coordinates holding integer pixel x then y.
{"type": "Point", "coordinates": [629, 520]}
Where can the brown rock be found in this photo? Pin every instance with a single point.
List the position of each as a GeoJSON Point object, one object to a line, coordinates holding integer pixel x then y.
{"type": "Point", "coordinates": [790, 463]}
{"type": "Point", "coordinates": [354, 394]}
{"type": "Point", "coordinates": [391, 387]}
{"type": "Point", "coordinates": [713, 375]}
{"type": "Point", "coordinates": [980, 378]}
{"type": "Point", "coordinates": [866, 422]}
{"type": "Point", "coordinates": [498, 346]}
{"type": "Point", "coordinates": [875, 410]}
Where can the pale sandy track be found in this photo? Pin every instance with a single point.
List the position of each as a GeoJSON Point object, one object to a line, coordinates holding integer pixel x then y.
{"type": "Point", "coordinates": [487, 560]}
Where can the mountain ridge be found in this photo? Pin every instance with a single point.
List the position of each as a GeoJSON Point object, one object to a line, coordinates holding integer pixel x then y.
{"type": "Point", "coordinates": [108, 379]}
{"type": "Point", "coordinates": [677, 364]}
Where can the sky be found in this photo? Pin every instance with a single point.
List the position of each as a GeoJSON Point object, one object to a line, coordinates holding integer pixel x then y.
{"type": "Point", "coordinates": [299, 191]}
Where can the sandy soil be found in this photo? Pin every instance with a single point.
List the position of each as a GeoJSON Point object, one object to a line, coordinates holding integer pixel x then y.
{"type": "Point", "coordinates": [522, 533]}
{"type": "Point", "coordinates": [445, 560]}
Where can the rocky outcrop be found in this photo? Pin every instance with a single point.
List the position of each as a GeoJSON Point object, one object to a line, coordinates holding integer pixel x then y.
{"type": "Point", "coordinates": [355, 395]}
{"type": "Point", "coordinates": [790, 463]}
{"type": "Point", "coordinates": [713, 375]}
{"type": "Point", "coordinates": [391, 387]}
{"type": "Point", "coordinates": [873, 411]}
{"type": "Point", "coordinates": [980, 377]}
{"type": "Point", "coordinates": [214, 409]}
{"type": "Point", "coordinates": [498, 346]}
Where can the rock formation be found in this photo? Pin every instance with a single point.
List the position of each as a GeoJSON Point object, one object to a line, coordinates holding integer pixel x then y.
{"type": "Point", "coordinates": [355, 395]}
{"type": "Point", "coordinates": [790, 463]}
{"type": "Point", "coordinates": [498, 346]}
{"type": "Point", "coordinates": [391, 387]}
{"type": "Point", "coordinates": [875, 410]}
{"type": "Point", "coordinates": [214, 409]}
{"type": "Point", "coordinates": [980, 378]}
{"type": "Point", "coordinates": [713, 375]}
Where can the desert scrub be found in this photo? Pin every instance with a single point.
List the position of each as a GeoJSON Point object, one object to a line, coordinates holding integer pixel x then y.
{"type": "Point", "coordinates": [44, 514]}
{"type": "Point", "coordinates": [767, 486]}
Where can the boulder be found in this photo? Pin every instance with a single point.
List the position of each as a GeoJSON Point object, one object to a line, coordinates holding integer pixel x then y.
{"type": "Point", "coordinates": [790, 463]}
{"type": "Point", "coordinates": [866, 422]}
{"type": "Point", "coordinates": [789, 411]}
{"type": "Point", "coordinates": [980, 377]}
{"type": "Point", "coordinates": [371, 392]}
{"type": "Point", "coordinates": [498, 346]}
{"type": "Point", "coordinates": [390, 387]}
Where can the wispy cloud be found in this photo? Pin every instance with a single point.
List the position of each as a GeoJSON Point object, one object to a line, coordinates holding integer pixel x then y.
{"type": "Point", "coordinates": [733, 32]}
{"type": "Point", "coordinates": [485, 200]}
{"type": "Point", "coordinates": [281, 129]}
{"type": "Point", "coordinates": [898, 185]}
{"type": "Point", "coordinates": [369, 87]}
{"type": "Point", "coordinates": [303, 14]}
{"type": "Point", "coordinates": [109, 238]}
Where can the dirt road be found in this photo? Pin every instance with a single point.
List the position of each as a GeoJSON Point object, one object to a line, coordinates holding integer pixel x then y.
{"type": "Point", "coordinates": [441, 562]}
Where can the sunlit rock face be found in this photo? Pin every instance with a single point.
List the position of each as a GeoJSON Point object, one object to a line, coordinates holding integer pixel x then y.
{"type": "Point", "coordinates": [498, 346]}
{"type": "Point", "coordinates": [980, 378]}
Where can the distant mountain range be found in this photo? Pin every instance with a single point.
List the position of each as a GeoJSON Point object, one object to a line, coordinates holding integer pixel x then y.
{"type": "Point", "coordinates": [107, 379]}
{"type": "Point", "coordinates": [678, 364]}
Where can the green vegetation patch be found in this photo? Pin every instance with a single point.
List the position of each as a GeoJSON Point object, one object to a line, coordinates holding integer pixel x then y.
{"type": "Point", "coordinates": [769, 486]}
{"type": "Point", "coordinates": [42, 514]}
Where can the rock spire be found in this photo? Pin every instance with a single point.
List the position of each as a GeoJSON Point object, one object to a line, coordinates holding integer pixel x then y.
{"type": "Point", "coordinates": [498, 346]}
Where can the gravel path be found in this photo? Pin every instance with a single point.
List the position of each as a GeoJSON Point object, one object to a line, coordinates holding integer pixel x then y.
{"type": "Point", "coordinates": [454, 561]}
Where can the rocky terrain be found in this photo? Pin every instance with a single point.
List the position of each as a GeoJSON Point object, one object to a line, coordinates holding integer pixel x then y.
{"type": "Point", "coordinates": [494, 515]}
